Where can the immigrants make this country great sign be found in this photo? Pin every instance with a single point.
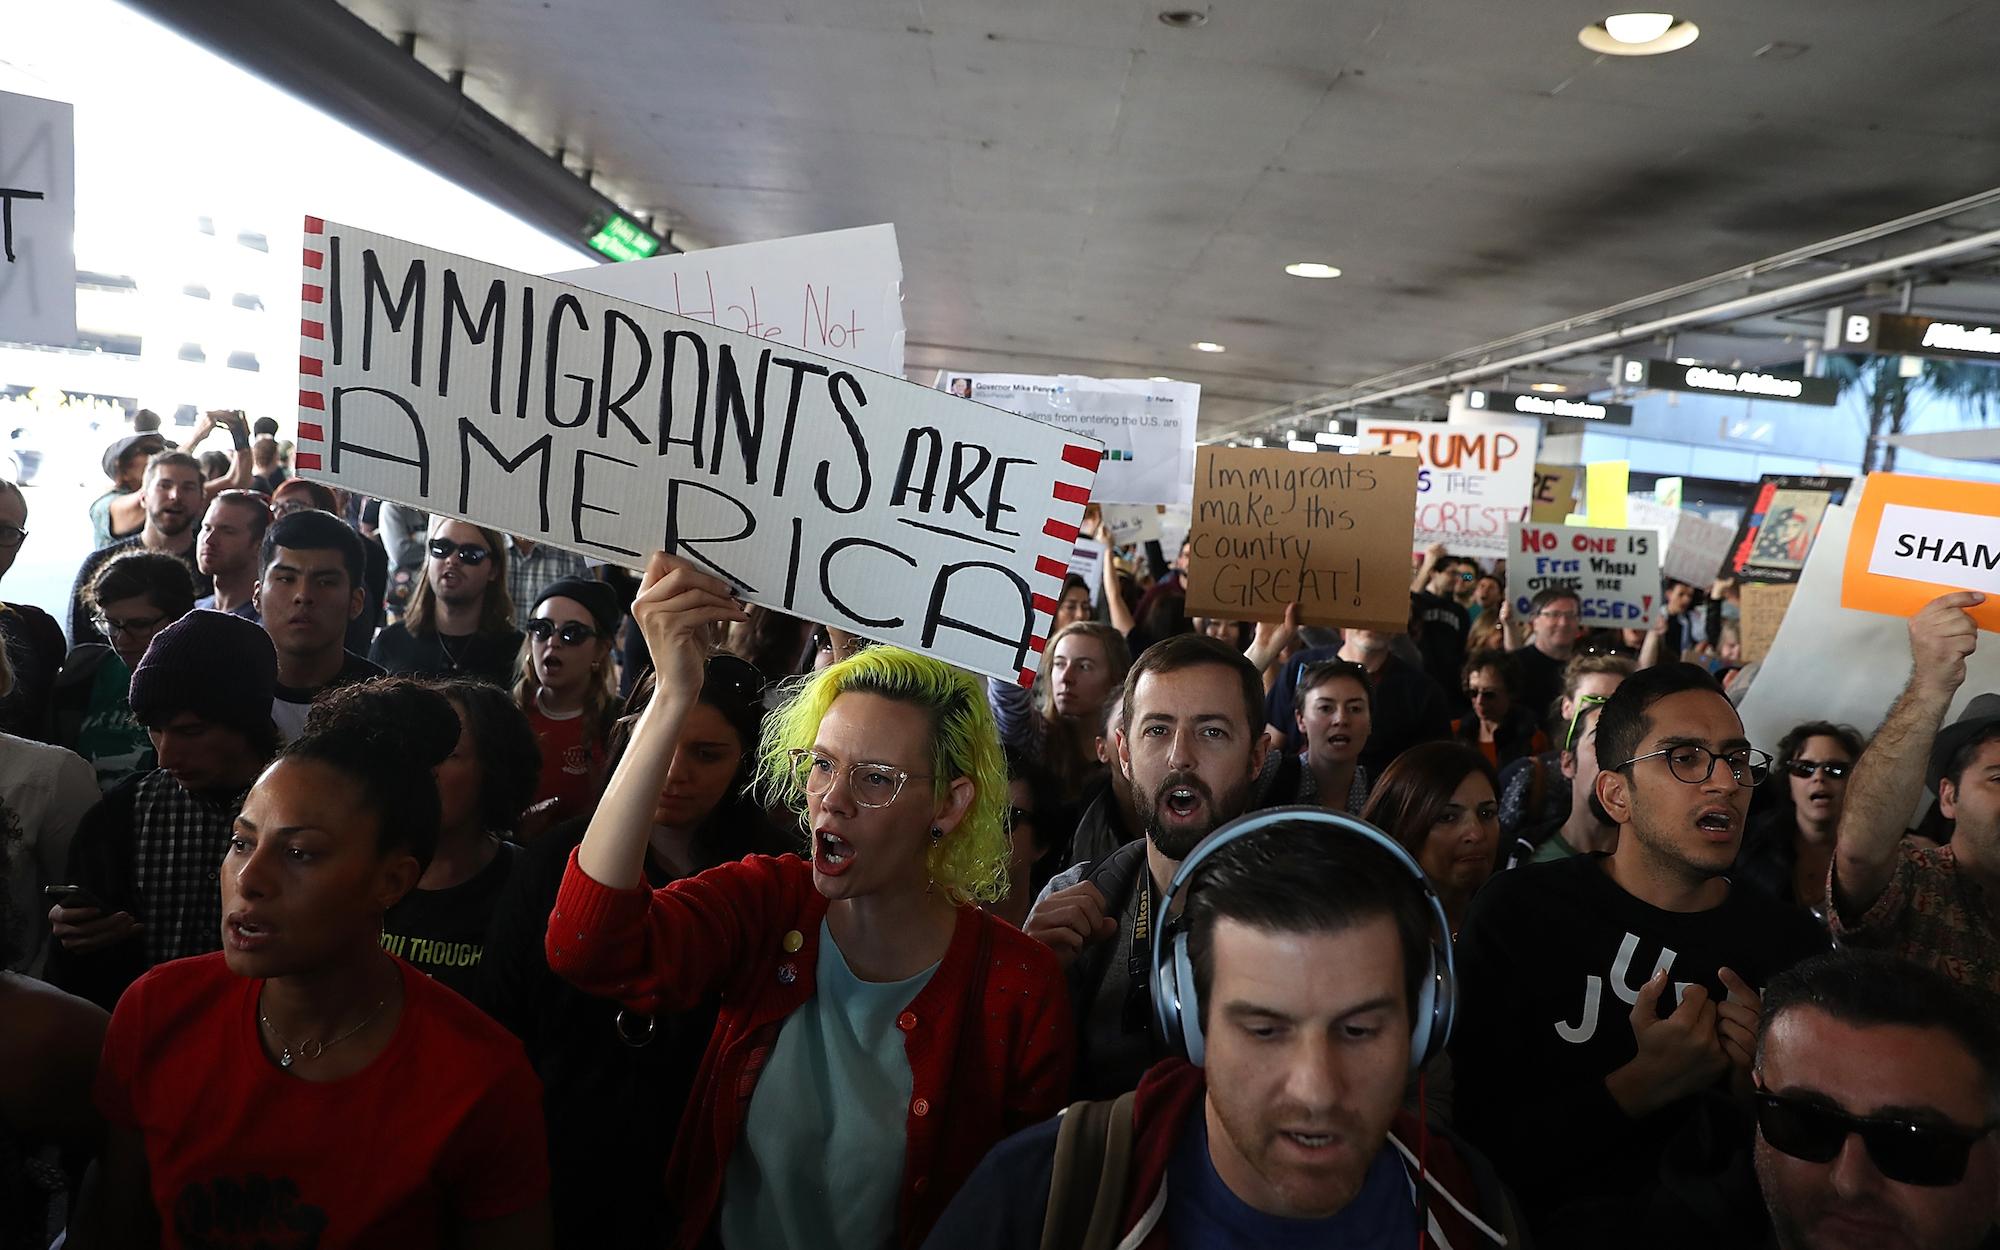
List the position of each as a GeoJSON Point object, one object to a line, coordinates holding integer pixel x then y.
{"type": "Point", "coordinates": [605, 427]}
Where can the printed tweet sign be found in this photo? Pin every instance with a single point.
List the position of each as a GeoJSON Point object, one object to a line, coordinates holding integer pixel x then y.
{"type": "Point", "coordinates": [1615, 573]}
{"type": "Point", "coordinates": [1916, 538]}
{"type": "Point", "coordinates": [1147, 427]}
{"type": "Point", "coordinates": [612, 429]}
{"type": "Point", "coordinates": [1474, 480]}
{"type": "Point", "coordinates": [839, 294]}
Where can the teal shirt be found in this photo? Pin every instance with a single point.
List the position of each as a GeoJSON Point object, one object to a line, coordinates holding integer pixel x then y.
{"type": "Point", "coordinates": [115, 744]}
{"type": "Point", "coordinates": [820, 1162]}
{"type": "Point", "coordinates": [1552, 850]}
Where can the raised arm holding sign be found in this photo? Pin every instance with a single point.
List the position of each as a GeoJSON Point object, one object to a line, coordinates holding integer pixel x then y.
{"type": "Point", "coordinates": [608, 428]}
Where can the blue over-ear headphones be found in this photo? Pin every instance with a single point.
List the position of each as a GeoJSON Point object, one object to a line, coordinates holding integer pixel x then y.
{"type": "Point", "coordinates": [1177, 1006]}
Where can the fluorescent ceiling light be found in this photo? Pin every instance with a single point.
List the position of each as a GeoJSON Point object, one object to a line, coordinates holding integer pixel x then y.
{"type": "Point", "coordinates": [1297, 445]}
{"type": "Point", "coordinates": [1206, 346]}
{"type": "Point", "coordinates": [1311, 269]}
{"type": "Point", "coordinates": [1552, 388]}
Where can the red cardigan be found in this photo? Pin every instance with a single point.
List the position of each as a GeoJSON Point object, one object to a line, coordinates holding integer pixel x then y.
{"type": "Point", "coordinates": [726, 933]}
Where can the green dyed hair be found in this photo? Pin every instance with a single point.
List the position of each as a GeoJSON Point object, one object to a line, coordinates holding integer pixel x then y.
{"type": "Point", "coordinates": [969, 863]}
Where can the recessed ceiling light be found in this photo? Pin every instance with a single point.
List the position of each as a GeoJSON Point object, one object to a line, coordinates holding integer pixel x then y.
{"type": "Point", "coordinates": [1206, 346]}
{"type": "Point", "coordinates": [1184, 19]}
{"type": "Point", "coordinates": [1638, 34]}
{"type": "Point", "coordinates": [1311, 269]}
{"type": "Point", "coordinates": [1686, 360]}
{"type": "Point", "coordinates": [1548, 387]}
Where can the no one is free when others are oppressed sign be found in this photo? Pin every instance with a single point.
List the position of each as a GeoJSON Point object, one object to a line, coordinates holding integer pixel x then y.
{"type": "Point", "coordinates": [608, 428]}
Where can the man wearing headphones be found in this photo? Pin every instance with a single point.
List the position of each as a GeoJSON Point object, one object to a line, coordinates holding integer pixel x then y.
{"type": "Point", "coordinates": [1306, 980]}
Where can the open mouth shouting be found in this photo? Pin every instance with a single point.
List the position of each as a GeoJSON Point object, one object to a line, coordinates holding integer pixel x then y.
{"type": "Point", "coordinates": [832, 854]}
{"type": "Point", "coordinates": [1184, 799]}
{"type": "Point", "coordinates": [1718, 824]}
{"type": "Point", "coordinates": [247, 933]}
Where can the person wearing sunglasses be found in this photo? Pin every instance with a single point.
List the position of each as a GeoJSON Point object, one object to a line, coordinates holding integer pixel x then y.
{"type": "Point", "coordinates": [1877, 1099]}
{"type": "Point", "coordinates": [1933, 904]}
{"type": "Point", "coordinates": [1499, 726]}
{"type": "Point", "coordinates": [569, 691]}
{"type": "Point", "coordinates": [1602, 993]}
{"type": "Point", "coordinates": [878, 1030]}
{"type": "Point", "coordinates": [1789, 849]}
{"type": "Point", "coordinates": [1033, 823]}
{"type": "Point", "coordinates": [460, 620]}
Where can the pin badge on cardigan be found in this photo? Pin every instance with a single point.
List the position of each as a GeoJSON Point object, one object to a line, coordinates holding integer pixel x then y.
{"type": "Point", "coordinates": [1176, 1005]}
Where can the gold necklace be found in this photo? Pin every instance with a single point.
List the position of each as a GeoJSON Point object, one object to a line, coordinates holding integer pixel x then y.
{"type": "Point", "coordinates": [313, 1048]}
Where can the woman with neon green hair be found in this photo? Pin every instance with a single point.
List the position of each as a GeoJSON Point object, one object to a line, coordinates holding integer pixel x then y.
{"type": "Point", "coordinates": [878, 1030]}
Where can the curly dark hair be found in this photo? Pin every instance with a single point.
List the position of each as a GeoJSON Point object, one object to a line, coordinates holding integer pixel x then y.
{"type": "Point", "coordinates": [387, 736]}
{"type": "Point", "coordinates": [510, 759]}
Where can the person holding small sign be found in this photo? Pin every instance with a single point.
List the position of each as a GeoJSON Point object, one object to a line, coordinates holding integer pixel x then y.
{"type": "Point", "coordinates": [878, 1030]}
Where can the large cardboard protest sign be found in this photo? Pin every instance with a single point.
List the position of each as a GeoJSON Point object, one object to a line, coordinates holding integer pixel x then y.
{"type": "Point", "coordinates": [1916, 538]}
{"type": "Point", "coordinates": [1777, 533]}
{"type": "Point", "coordinates": [1327, 532]}
{"type": "Point", "coordinates": [612, 429]}
{"type": "Point", "coordinates": [1555, 493]}
{"type": "Point", "coordinates": [837, 294]}
{"type": "Point", "coordinates": [1474, 480]}
{"type": "Point", "coordinates": [37, 221]}
{"type": "Point", "coordinates": [1763, 607]}
{"type": "Point", "coordinates": [1695, 546]}
{"type": "Point", "coordinates": [1615, 573]}
{"type": "Point", "coordinates": [1147, 427]}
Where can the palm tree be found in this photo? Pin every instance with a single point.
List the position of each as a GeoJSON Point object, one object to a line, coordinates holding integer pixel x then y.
{"type": "Point", "coordinates": [1885, 392]}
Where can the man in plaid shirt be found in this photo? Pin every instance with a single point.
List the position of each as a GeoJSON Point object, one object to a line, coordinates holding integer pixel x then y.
{"type": "Point", "coordinates": [150, 851]}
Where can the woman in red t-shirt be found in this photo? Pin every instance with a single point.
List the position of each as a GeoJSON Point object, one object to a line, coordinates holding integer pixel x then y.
{"type": "Point", "coordinates": [878, 1032]}
{"type": "Point", "coordinates": [568, 689]}
{"type": "Point", "coordinates": [302, 1087]}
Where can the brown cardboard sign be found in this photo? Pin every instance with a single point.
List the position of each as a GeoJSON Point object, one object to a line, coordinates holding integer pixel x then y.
{"type": "Point", "coordinates": [1555, 494]}
{"type": "Point", "coordinates": [1328, 532]}
{"type": "Point", "coordinates": [1764, 605]}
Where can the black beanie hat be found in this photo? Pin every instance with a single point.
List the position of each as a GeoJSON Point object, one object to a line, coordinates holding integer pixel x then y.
{"type": "Point", "coordinates": [597, 598]}
{"type": "Point", "coordinates": [217, 665]}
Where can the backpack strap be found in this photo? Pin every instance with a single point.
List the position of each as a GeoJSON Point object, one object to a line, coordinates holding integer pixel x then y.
{"type": "Point", "coordinates": [1093, 1163]}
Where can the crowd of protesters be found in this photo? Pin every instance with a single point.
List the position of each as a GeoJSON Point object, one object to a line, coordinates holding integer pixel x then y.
{"type": "Point", "coordinates": [376, 879]}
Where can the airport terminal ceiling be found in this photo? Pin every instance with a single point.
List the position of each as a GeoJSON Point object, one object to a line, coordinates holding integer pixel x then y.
{"type": "Point", "coordinates": [1079, 186]}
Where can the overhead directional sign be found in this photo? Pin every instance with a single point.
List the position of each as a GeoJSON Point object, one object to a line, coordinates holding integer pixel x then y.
{"type": "Point", "coordinates": [1783, 388]}
{"type": "Point", "coordinates": [1531, 405]}
{"type": "Point", "coordinates": [1905, 334]}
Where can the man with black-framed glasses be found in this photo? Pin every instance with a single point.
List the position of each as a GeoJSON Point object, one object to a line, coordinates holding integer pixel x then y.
{"type": "Point", "coordinates": [1602, 993]}
{"type": "Point", "coordinates": [1878, 1092]}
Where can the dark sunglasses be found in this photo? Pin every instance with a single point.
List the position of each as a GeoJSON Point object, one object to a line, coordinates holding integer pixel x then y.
{"type": "Point", "coordinates": [1804, 769]}
{"type": "Point", "coordinates": [467, 553]}
{"type": "Point", "coordinates": [572, 633]}
{"type": "Point", "coordinates": [1910, 1154]}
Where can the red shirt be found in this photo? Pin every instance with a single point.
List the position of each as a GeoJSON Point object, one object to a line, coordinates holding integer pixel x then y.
{"type": "Point", "coordinates": [989, 1037]}
{"type": "Point", "coordinates": [572, 771]}
{"type": "Point", "coordinates": [445, 1124]}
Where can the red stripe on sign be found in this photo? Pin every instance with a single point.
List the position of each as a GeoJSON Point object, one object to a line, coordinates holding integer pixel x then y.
{"type": "Point", "coordinates": [1044, 604]}
{"type": "Point", "coordinates": [1054, 568]}
{"type": "Point", "coordinates": [315, 225]}
{"type": "Point", "coordinates": [1027, 678]}
{"type": "Point", "coordinates": [311, 433]}
{"type": "Point", "coordinates": [1072, 494]}
{"type": "Point", "coordinates": [1038, 644]}
{"type": "Point", "coordinates": [306, 459]}
{"type": "Point", "coordinates": [310, 364]}
{"type": "Point", "coordinates": [312, 294]}
{"type": "Point", "coordinates": [312, 329]}
{"type": "Point", "coordinates": [314, 259]}
{"type": "Point", "coordinates": [1082, 457]}
{"type": "Point", "coordinates": [312, 399]}
{"type": "Point", "coordinates": [1056, 529]}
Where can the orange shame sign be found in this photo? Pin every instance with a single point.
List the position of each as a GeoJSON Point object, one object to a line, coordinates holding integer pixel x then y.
{"type": "Point", "coordinates": [1916, 538]}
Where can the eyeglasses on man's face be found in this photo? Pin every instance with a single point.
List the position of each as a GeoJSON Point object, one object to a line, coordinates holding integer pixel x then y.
{"type": "Point", "coordinates": [131, 626]}
{"type": "Point", "coordinates": [1901, 1150]}
{"type": "Point", "coordinates": [467, 553]}
{"type": "Point", "coordinates": [1692, 764]}
{"type": "Point", "coordinates": [12, 536]}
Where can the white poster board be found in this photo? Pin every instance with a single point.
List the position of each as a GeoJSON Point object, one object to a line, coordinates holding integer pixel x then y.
{"type": "Point", "coordinates": [38, 221]}
{"type": "Point", "coordinates": [1132, 523]}
{"type": "Point", "coordinates": [1147, 427]}
{"type": "Point", "coordinates": [1476, 480]}
{"type": "Point", "coordinates": [1695, 545]}
{"type": "Point", "coordinates": [1086, 560]}
{"type": "Point", "coordinates": [1615, 572]}
{"type": "Point", "coordinates": [837, 294]}
{"type": "Point", "coordinates": [611, 429]}
{"type": "Point", "coordinates": [1811, 672]}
